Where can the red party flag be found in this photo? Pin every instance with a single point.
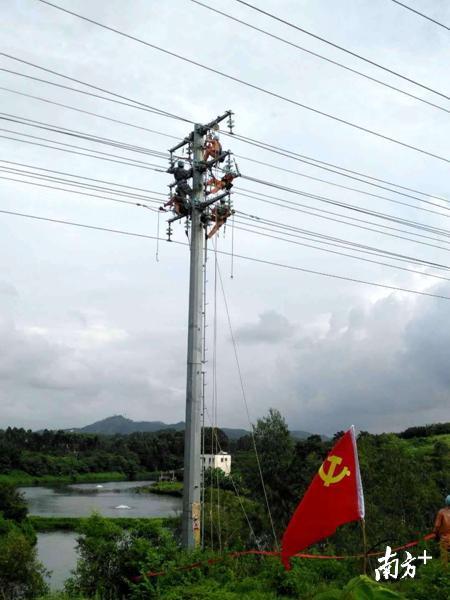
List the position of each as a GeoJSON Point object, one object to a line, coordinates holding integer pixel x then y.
{"type": "Point", "coordinates": [334, 497]}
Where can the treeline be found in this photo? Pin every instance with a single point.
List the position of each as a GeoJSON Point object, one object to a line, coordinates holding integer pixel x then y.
{"type": "Point", "coordinates": [425, 431]}
{"type": "Point", "coordinates": [63, 453]}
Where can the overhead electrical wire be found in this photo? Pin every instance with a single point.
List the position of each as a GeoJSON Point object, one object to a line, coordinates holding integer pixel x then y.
{"type": "Point", "coordinates": [137, 106]}
{"type": "Point", "coordinates": [122, 162]}
{"type": "Point", "coordinates": [421, 14]}
{"type": "Point", "coordinates": [76, 184]}
{"type": "Point", "coordinates": [294, 206]}
{"type": "Point", "coordinates": [10, 162]}
{"type": "Point", "coordinates": [317, 55]}
{"type": "Point", "coordinates": [341, 243]}
{"type": "Point", "coordinates": [361, 258]}
{"type": "Point", "coordinates": [347, 243]}
{"type": "Point", "coordinates": [301, 158]}
{"type": "Point", "coordinates": [88, 112]}
{"type": "Point", "coordinates": [341, 246]}
{"type": "Point", "coordinates": [344, 205]}
{"type": "Point", "coordinates": [81, 135]}
{"type": "Point", "coordinates": [353, 207]}
{"type": "Point", "coordinates": [82, 193]}
{"type": "Point", "coordinates": [332, 183]}
{"type": "Point", "coordinates": [327, 239]}
{"type": "Point", "coordinates": [165, 155]}
{"type": "Point", "coordinates": [260, 144]}
{"type": "Point", "coordinates": [325, 41]}
{"type": "Point", "coordinates": [243, 257]}
{"type": "Point", "coordinates": [248, 84]}
{"type": "Point", "coordinates": [141, 104]}
{"type": "Point", "coordinates": [290, 205]}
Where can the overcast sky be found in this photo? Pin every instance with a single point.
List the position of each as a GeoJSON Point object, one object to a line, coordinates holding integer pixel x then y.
{"type": "Point", "coordinates": [92, 325]}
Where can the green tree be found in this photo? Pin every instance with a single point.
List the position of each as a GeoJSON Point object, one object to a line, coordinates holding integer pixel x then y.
{"type": "Point", "coordinates": [110, 557]}
{"type": "Point", "coordinates": [275, 451]}
{"type": "Point", "coordinates": [12, 503]}
{"type": "Point", "coordinates": [21, 575]}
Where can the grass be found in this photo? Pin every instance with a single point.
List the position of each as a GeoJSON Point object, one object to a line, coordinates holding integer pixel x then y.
{"type": "Point", "coordinates": [169, 488]}
{"type": "Point", "coordinates": [49, 524]}
{"type": "Point", "coordinates": [20, 478]}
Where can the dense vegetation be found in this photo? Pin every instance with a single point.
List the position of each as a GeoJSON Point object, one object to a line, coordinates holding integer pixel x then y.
{"type": "Point", "coordinates": [21, 575]}
{"type": "Point", "coordinates": [405, 478]}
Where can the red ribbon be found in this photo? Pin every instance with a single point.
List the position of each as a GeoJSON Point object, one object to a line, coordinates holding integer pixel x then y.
{"type": "Point", "coordinates": [213, 561]}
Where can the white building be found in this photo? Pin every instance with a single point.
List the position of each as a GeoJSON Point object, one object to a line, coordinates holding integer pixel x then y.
{"type": "Point", "coordinates": [217, 461]}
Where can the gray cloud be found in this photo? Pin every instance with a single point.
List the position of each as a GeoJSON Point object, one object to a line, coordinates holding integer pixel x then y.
{"type": "Point", "coordinates": [271, 327]}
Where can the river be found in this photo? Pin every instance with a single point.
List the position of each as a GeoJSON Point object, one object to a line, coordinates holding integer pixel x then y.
{"type": "Point", "coordinates": [56, 550]}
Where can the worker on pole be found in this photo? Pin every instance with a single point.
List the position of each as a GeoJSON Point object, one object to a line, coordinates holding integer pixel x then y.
{"type": "Point", "coordinates": [442, 530]}
{"type": "Point", "coordinates": [219, 215]}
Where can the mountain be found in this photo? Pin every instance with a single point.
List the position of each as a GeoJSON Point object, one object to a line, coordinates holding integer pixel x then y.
{"type": "Point", "coordinates": [122, 425]}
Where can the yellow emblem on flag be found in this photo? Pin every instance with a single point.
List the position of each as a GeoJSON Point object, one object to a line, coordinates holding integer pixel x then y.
{"type": "Point", "coordinates": [328, 477]}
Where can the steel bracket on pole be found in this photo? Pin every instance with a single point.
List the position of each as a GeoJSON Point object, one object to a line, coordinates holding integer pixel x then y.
{"type": "Point", "coordinates": [207, 203]}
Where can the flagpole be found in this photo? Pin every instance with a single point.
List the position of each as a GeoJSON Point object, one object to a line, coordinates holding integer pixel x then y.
{"type": "Point", "coordinates": [363, 528]}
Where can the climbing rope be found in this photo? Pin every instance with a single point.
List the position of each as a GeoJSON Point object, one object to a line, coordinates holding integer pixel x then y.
{"type": "Point", "coordinates": [244, 397]}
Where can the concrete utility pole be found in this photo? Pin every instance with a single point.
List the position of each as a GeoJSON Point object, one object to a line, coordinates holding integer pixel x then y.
{"type": "Point", "coordinates": [192, 474]}
{"type": "Point", "coordinates": [198, 213]}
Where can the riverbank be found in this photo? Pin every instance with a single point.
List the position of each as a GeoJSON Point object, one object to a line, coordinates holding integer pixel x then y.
{"type": "Point", "coordinates": [74, 524]}
{"type": "Point", "coordinates": [163, 488]}
{"type": "Point", "coordinates": [20, 478]}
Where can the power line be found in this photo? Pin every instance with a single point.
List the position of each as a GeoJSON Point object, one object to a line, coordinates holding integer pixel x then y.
{"type": "Point", "coordinates": [165, 155]}
{"type": "Point", "coordinates": [249, 258]}
{"type": "Point", "coordinates": [82, 177]}
{"type": "Point", "coordinates": [143, 105]}
{"type": "Point", "coordinates": [353, 207]}
{"type": "Point", "coordinates": [248, 84]}
{"type": "Point", "coordinates": [289, 205]}
{"type": "Point", "coordinates": [421, 14]}
{"type": "Point", "coordinates": [301, 158]}
{"type": "Point", "coordinates": [83, 193]}
{"type": "Point", "coordinates": [76, 184]}
{"type": "Point", "coordinates": [260, 144]}
{"type": "Point", "coordinates": [376, 262]}
{"type": "Point", "coordinates": [68, 87]}
{"type": "Point", "coordinates": [81, 135]}
{"type": "Point", "coordinates": [87, 112]}
{"type": "Point", "coordinates": [345, 187]}
{"type": "Point", "coordinates": [318, 37]}
{"type": "Point", "coordinates": [346, 243]}
{"type": "Point", "coordinates": [341, 243]}
{"type": "Point", "coordinates": [329, 60]}
{"type": "Point", "coordinates": [130, 164]}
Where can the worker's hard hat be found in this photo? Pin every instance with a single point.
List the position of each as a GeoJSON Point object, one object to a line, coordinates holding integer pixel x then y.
{"type": "Point", "coordinates": [180, 163]}
{"type": "Point", "coordinates": [447, 500]}
{"type": "Point", "coordinates": [215, 137]}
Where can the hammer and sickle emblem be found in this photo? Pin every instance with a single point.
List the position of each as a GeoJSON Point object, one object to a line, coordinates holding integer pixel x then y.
{"type": "Point", "coordinates": [329, 477]}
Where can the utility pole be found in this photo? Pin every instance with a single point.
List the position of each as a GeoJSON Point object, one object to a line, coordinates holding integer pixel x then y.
{"type": "Point", "coordinates": [196, 208]}
{"type": "Point", "coordinates": [192, 459]}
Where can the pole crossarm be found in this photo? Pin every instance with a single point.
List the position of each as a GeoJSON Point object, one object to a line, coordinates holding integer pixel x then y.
{"type": "Point", "coordinates": [207, 203]}
{"type": "Point", "coordinates": [204, 128]}
{"type": "Point", "coordinates": [177, 218]}
{"type": "Point", "coordinates": [187, 140]}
